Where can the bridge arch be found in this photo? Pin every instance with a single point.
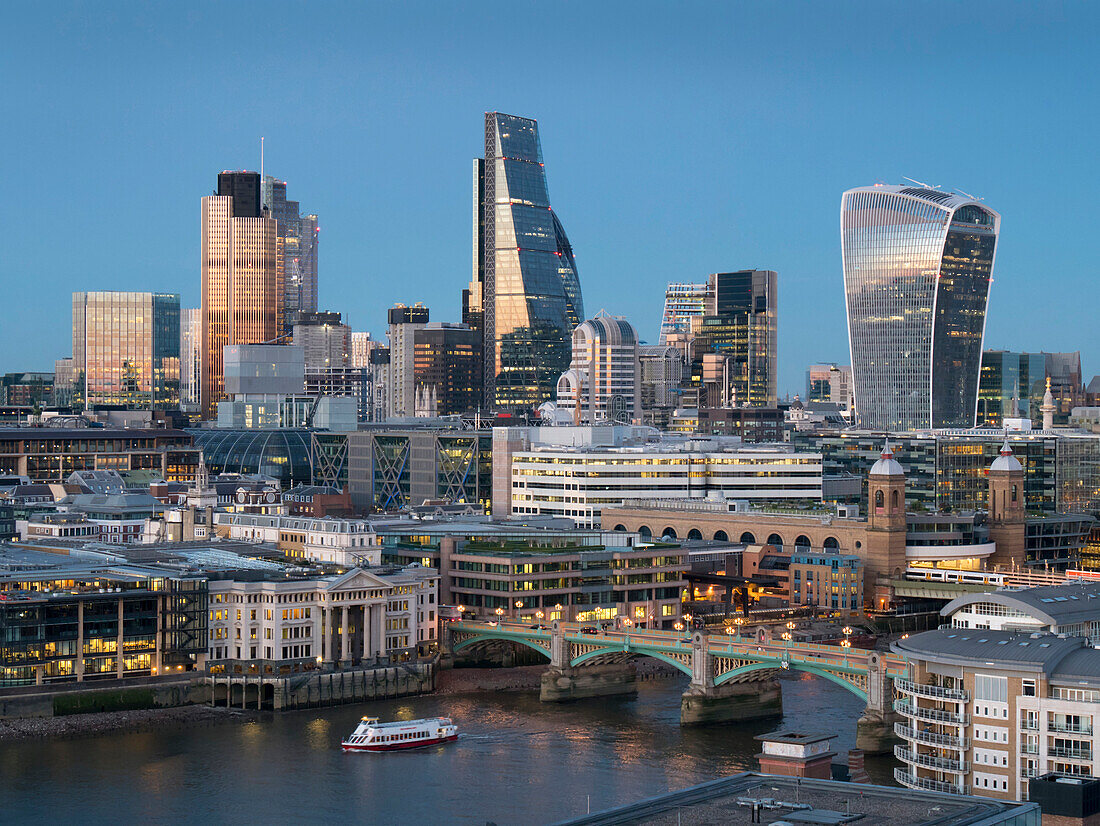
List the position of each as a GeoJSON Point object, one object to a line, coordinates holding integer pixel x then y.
{"type": "Point", "coordinates": [792, 665]}
{"type": "Point", "coordinates": [479, 639]}
{"type": "Point", "coordinates": [656, 655]}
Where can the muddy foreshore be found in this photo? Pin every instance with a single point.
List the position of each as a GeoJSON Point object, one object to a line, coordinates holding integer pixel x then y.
{"type": "Point", "coordinates": [82, 725]}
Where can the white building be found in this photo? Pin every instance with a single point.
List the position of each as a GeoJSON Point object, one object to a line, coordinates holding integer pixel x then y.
{"type": "Point", "coordinates": [682, 303]}
{"type": "Point", "coordinates": [603, 380]}
{"type": "Point", "coordinates": [1008, 692]}
{"type": "Point", "coordinates": [319, 539]}
{"type": "Point", "coordinates": [661, 369]}
{"type": "Point", "coordinates": [358, 617]}
{"type": "Point", "coordinates": [575, 472]}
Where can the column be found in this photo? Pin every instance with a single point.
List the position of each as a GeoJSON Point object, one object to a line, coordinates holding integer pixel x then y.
{"type": "Point", "coordinates": [345, 639]}
{"type": "Point", "coordinates": [367, 631]}
{"type": "Point", "coordinates": [379, 623]}
{"type": "Point", "coordinates": [326, 637]}
{"type": "Point", "coordinates": [118, 642]}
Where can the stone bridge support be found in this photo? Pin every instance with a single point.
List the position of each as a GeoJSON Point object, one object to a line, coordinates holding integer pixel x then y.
{"type": "Point", "coordinates": [562, 682]}
{"type": "Point", "coordinates": [732, 702]}
{"type": "Point", "coordinates": [875, 729]}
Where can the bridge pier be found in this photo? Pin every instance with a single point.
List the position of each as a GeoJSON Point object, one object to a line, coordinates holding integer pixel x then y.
{"type": "Point", "coordinates": [560, 685]}
{"type": "Point", "coordinates": [875, 728]}
{"type": "Point", "coordinates": [732, 702]}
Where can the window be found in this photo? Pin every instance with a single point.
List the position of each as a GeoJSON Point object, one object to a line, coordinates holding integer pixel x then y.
{"type": "Point", "coordinates": [1028, 688]}
{"type": "Point", "coordinates": [991, 688]}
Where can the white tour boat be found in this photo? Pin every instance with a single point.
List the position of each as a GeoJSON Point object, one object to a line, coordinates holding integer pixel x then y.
{"type": "Point", "coordinates": [374, 736]}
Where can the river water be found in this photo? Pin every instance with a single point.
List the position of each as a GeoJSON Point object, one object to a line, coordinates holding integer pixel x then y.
{"type": "Point", "coordinates": [517, 761]}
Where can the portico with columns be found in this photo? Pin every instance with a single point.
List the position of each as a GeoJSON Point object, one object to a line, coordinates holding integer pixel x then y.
{"type": "Point", "coordinates": [352, 620]}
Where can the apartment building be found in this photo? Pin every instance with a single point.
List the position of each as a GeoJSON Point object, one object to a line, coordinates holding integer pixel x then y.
{"type": "Point", "coordinates": [1008, 691]}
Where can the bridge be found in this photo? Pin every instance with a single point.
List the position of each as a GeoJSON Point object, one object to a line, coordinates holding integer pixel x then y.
{"type": "Point", "coordinates": [731, 678]}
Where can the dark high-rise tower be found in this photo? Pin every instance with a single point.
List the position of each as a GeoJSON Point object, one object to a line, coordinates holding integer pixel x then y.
{"type": "Point", "coordinates": [298, 236]}
{"type": "Point", "coordinates": [244, 189]}
{"type": "Point", "coordinates": [525, 281]}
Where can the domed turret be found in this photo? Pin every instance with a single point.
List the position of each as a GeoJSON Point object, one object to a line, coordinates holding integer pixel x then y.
{"type": "Point", "coordinates": [1006, 461]}
{"type": "Point", "coordinates": [887, 465]}
{"type": "Point", "coordinates": [1047, 408]}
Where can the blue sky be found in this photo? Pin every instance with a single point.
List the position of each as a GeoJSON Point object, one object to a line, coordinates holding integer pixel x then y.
{"type": "Point", "coordinates": [679, 138]}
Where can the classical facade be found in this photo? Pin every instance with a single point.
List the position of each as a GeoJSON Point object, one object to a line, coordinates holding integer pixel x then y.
{"type": "Point", "coordinates": [358, 617]}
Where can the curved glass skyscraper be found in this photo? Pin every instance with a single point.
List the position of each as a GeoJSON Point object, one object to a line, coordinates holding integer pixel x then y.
{"type": "Point", "coordinates": [527, 277]}
{"type": "Point", "coordinates": [917, 267]}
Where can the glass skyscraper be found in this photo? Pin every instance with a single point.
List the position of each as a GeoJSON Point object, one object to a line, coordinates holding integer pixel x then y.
{"type": "Point", "coordinates": [299, 236]}
{"type": "Point", "coordinates": [683, 302]}
{"type": "Point", "coordinates": [126, 350]}
{"type": "Point", "coordinates": [525, 282]}
{"type": "Point", "coordinates": [1011, 385]}
{"type": "Point", "coordinates": [917, 267]}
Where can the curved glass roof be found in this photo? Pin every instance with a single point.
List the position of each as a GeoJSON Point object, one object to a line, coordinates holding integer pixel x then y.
{"type": "Point", "coordinates": [280, 454]}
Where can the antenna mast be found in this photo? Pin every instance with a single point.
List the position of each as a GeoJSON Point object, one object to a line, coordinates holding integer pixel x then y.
{"type": "Point", "coordinates": [261, 159]}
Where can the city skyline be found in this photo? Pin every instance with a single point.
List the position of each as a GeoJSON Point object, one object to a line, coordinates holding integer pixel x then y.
{"type": "Point", "coordinates": [711, 198]}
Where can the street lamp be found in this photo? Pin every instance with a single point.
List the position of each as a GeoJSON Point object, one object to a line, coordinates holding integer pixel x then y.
{"type": "Point", "coordinates": [539, 615]}
{"type": "Point", "coordinates": [561, 616]}
{"type": "Point", "coordinates": [500, 614]}
{"type": "Point", "coordinates": [731, 630]}
{"type": "Point", "coordinates": [679, 626]}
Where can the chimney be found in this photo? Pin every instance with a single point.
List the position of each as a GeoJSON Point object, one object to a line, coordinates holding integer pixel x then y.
{"type": "Point", "coordinates": [856, 772]}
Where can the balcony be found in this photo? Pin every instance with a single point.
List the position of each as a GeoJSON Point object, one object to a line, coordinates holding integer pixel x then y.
{"type": "Point", "coordinates": [1070, 754]}
{"type": "Point", "coordinates": [929, 761]}
{"type": "Point", "coordinates": [933, 692]}
{"type": "Point", "coordinates": [1071, 728]}
{"type": "Point", "coordinates": [934, 714]}
{"type": "Point", "coordinates": [910, 780]}
{"type": "Point", "coordinates": [930, 738]}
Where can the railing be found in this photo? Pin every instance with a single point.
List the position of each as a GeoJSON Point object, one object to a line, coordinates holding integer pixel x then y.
{"type": "Point", "coordinates": [1067, 728]}
{"type": "Point", "coordinates": [909, 779]}
{"type": "Point", "coordinates": [1072, 754]}
{"type": "Point", "coordinates": [1029, 748]}
{"type": "Point", "coordinates": [932, 691]}
{"type": "Point", "coordinates": [931, 762]}
{"type": "Point", "coordinates": [934, 714]}
{"type": "Point", "coordinates": [1027, 724]}
{"type": "Point", "coordinates": [930, 738]}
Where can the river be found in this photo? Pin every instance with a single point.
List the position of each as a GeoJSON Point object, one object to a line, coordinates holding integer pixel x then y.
{"type": "Point", "coordinates": [517, 761]}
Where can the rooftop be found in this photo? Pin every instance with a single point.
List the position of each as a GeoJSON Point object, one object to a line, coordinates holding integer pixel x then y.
{"type": "Point", "coordinates": [1071, 602]}
{"type": "Point", "coordinates": [730, 801]}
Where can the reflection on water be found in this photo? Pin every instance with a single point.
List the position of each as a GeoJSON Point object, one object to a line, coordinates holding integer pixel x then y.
{"type": "Point", "coordinates": [516, 761]}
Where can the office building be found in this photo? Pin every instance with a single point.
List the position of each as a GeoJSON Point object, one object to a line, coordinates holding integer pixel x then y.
{"type": "Point", "coordinates": [947, 470]}
{"type": "Point", "coordinates": [734, 345]}
{"type": "Point", "coordinates": [242, 277]}
{"type": "Point", "coordinates": [298, 236]}
{"type": "Point", "coordinates": [85, 619]}
{"type": "Point", "coordinates": [1066, 383]}
{"type": "Point", "coordinates": [917, 268]}
{"type": "Point", "coordinates": [525, 273]}
{"type": "Point", "coordinates": [1006, 691]}
{"type": "Point", "coordinates": [26, 389]}
{"type": "Point", "coordinates": [602, 383]}
{"type": "Point", "coordinates": [403, 324]}
{"type": "Point", "coordinates": [395, 467]}
{"type": "Point", "coordinates": [577, 472]}
{"type": "Point", "coordinates": [445, 369]}
{"type": "Point", "coordinates": [126, 350]}
{"type": "Point", "coordinates": [325, 341]}
{"type": "Point", "coordinates": [683, 302]}
{"type": "Point", "coordinates": [362, 344]}
{"type": "Point", "coordinates": [1010, 388]}
{"type": "Point", "coordinates": [829, 383]}
{"type": "Point", "coordinates": [190, 358]}
{"type": "Point", "coordinates": [64, 378]}
{"type": "Point", "coordinates": [361, 617]}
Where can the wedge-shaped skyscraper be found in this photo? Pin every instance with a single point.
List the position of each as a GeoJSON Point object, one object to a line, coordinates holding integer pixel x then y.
{"type": "Point", "coordinates": [525, 282]}
{"type": "Point", "coordinates": [917, 267]}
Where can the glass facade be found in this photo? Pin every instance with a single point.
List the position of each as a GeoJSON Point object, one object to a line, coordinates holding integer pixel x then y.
{"type": "Point", "coordinates": [531, 294]}
{"type": "Point", "coordinates": [682, 303]}
{"type": "Point", "coordinates": [243, 266]}
{"type": "Point", "coordinates": [126, 350]}
{"type": "Point", "coordinates": [1007, 377]}
{"type": "Point", "coordinates": [917, 269]}
{"type": "Point", "coordinates": [283, 455]}
{"type": "Point", "coordinates": [299, 235]}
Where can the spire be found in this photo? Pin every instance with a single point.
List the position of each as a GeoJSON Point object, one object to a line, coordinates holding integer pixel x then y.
{"type": "Point", "coordinates": [1005, 449]}
{"type": "Point", "coordinates": [1016, 400]}
{"type": "Point", "coordinates": [886, 452]}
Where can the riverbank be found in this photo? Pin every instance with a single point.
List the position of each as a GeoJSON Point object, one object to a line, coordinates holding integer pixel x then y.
{"type": "Point", "coordinates": [83, 725]}
{"type": "Point", "coordinates": [524, 677]}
